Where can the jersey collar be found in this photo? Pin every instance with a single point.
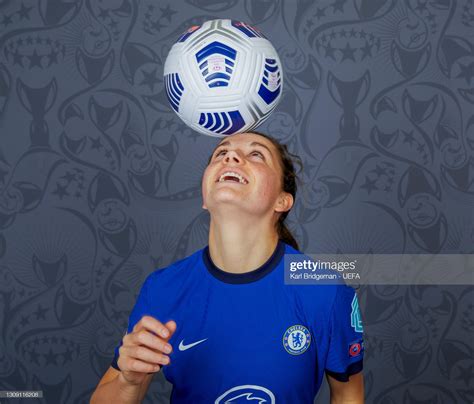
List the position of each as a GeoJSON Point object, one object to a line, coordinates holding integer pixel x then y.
{"type": "Point", "coordinates": [247, 277]}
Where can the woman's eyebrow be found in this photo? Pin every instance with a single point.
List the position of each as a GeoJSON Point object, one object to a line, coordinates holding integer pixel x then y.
{"type": "Point", "coordinates": [261, 144]}
{"type": "Point", "coordinates": [227, 143]}
{"type": "Point", "coordinates": [224, 143]}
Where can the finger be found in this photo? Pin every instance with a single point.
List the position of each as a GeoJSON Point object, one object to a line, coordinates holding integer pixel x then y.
{"type": "Point", "coordinates": [146, 355]}
{"type": "Point", "coordinates": [171, 325]}
{"type": "Point", "coordinates": [135, 365]}
{"type": "Point", "coordinates": [152, 324]}
{"type": "Point", "coordinates": [126, 362]}
{"type": "Point", "coordinates": [150, 340]}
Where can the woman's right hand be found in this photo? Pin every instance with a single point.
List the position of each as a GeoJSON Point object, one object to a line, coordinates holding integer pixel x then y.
{"type": "Point", "coordinates": [142, 351]}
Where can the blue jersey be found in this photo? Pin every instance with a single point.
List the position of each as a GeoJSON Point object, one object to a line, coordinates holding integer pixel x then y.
{"type": "Point", "coordinates": [246, 337]}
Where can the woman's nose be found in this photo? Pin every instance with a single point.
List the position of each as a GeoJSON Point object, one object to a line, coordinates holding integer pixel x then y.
{"type": "Point", "coordinates": [232, 155]}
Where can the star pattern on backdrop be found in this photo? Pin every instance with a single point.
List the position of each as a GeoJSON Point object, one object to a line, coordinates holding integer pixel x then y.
{"type": "Point", "coordinates": [157, 18]}
{"type": "Point", "coordinates": [358, 45]}
{"type": "Point", "coordinates": [71, 183]}
{"type": "Point", "coordinates": [34, 53]}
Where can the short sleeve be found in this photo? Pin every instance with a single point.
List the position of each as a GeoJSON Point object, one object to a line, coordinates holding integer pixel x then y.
{"type": "Point", "coordinates": [346, 345]}
{"type": "Point", "coordinates": [139, 310]}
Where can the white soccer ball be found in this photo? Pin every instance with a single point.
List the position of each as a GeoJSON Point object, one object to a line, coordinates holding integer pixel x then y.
{"type": "Point", "coordinates": [223, 77]}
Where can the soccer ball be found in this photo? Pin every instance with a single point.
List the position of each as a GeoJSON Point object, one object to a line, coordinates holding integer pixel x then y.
{"type": "Point", "coordinates": [223, 77]}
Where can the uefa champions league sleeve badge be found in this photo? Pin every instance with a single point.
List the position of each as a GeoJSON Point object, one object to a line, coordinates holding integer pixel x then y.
{"type": "Point", "coordinates": [296, 339]}
{"type": "Point", "coordinates": [356, 319]}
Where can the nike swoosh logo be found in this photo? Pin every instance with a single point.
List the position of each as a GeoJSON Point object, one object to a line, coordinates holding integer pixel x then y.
{"type": "Point", "coordinates": [183, 347]}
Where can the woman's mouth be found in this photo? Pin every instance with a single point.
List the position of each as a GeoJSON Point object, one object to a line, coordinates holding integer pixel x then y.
{"type": "Point", "coordinates": [231, 176]}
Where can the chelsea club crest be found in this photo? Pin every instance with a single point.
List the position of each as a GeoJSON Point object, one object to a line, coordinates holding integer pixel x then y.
{"type": "Point", "coordinates": [296, 339]}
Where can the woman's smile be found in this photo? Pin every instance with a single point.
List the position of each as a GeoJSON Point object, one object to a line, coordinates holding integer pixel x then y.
{"type": "Point", "coordinates": [232, 176]}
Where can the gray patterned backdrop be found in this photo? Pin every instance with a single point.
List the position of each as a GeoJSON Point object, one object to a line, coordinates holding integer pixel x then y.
{"type": "Point", "coordinates": [100, 181]}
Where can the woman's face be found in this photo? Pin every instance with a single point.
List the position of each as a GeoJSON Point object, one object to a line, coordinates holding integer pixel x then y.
{"type": "Point", "coordinates": [254, 180]}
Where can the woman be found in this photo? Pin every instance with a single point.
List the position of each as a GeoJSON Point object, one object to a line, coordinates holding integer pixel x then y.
{"type": "Point", "coordinates": [221, 323]}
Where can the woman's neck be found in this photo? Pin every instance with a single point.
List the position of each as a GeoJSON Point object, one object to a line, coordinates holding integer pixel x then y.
{"type": "Point", "coordinates": [238, 248]}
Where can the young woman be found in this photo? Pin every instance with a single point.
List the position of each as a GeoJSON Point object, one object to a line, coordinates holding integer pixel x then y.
{"type": "Point", "coordinates": [221, 323]}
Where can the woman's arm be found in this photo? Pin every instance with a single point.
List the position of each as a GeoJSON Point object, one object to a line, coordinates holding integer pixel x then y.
{"type": "Point", "coordinates": [350, 392]}
{"type": "Point", "coordinates": [114, 389]}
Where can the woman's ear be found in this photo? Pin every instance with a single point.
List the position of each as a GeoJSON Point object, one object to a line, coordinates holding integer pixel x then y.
{"type": "Point", "coordinates": [284, 202]}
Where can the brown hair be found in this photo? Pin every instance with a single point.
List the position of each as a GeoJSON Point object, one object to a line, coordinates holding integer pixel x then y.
{"type": "Point", "coordinates": [289, 181]}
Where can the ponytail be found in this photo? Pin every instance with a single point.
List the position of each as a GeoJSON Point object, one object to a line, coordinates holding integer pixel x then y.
{"type": "Point", "coordinates": [285, 235]}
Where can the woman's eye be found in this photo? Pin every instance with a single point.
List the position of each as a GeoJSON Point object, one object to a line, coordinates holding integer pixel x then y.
{"type": "Point", "coordinates": [255, 152]}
